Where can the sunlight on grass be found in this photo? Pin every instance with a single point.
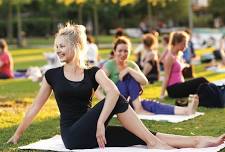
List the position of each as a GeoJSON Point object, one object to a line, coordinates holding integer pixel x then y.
{"type": "Point", "coordinates": [200, 52]}
{"type": "Point", "coordinates": [17, 111]}
{"type": "Point", "coordinates": [29, 58]}
{"type": "Point", "coordinates": [30, 51]}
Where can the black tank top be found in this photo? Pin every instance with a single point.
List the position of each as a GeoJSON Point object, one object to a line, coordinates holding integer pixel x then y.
{"type": "Point", "coordinates": [73, 97]}
{"type": "Point", "coordinates": [154, 70]}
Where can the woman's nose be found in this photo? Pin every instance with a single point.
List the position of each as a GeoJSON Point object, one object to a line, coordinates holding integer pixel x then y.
{"type": "Point", "coordinates": [57, 50]}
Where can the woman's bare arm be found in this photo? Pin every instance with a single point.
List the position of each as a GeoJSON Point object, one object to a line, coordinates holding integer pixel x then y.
{"type": "Point", "coordinates": [38, 103]}
{"type": "Point", "coordinates": [167, 66]}
{"type": "Point", "coordinates": [112, 95]}
{"type": "Point", "coordinates": [138, 75]}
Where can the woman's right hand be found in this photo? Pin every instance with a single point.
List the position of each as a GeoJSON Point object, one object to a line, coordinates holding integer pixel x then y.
{"type": "Point", "coordinates": [100, 135]}
{"type": "Point", "coordinates": [14, 139]}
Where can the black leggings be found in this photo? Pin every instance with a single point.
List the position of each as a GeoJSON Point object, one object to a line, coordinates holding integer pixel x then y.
{"type": "Point", "coordinates": [82, 134]}
{"type": "Point", "coordinates": [186, 88]}
{"type": "Point", "coordinates": [4, 76]}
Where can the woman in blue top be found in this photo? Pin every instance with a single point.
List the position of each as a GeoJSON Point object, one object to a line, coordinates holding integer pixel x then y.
{"type": "Point", "coordinates": [84, 127]}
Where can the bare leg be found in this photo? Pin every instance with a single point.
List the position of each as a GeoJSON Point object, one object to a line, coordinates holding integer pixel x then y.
{"type": "Point", "coordinates": [138, 107]}
{"type": "Point", "coordinates": [190, 109]}
{"type": "Point", "coordinates": [191, 141]}
{"type": "Point", "coordinates": [131, 122]}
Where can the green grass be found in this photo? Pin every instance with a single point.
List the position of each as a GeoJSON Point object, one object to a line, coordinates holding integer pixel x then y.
{"type": "Point", "coordinates": [25, 58]}
{"type": "Point", "coordinates": [40, 42]}
{"type": "Point", "coordinates": [16, 96]}
{"type": "Point", "coordinates": [108, 39]}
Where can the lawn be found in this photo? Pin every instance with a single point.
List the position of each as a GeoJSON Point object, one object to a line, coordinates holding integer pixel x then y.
{"type": "Point", "coordinates": [16, 96]}
{"type": "Point", "coordinates": [41, 42]}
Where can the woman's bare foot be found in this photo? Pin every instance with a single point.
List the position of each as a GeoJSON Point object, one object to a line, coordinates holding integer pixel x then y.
{"type": "Point", "coordinates": [193, 104]}
{"type": "Point", "coordinates": [208, 141]}
{"type": "Point", "coordinates": [159, 145]}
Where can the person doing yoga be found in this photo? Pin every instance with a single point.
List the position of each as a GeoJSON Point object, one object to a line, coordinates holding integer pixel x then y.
{"type": "Point", "coordinates": [174, 81]}
{"type": "Point", "coordinates": [84, 127]}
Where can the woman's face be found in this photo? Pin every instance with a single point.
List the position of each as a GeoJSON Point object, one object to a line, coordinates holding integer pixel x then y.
{"type": "Point", "coordinates": [121, 52]}
{"type": "Point", "coordinates": [182, 45]}
{"type": "Point", "coordinates": [64, 49]}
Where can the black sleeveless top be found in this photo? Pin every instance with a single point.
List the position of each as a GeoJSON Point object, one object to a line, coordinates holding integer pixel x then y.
{"type": "Point", "coordinates": [73, 97]}
{"type": "Point", "coordinates": [154, 70]}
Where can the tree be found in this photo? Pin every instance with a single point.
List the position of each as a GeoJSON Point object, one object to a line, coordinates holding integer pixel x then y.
{"type": "Point", "coordinates": [216, 7]}
{"type": "Point", "coordinates": [20, 33]}
{"type": "Point", "coordinates": [80, 4]}
{"type": "Point", "coordinates": [149, 8]}
{"type": "Point", "coordinates": [9, 22]}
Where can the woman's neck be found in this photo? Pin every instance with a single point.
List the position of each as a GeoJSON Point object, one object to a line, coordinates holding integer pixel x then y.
{"type": "Point", "coordinates": [120, 63]}
{"type": "Point", "coordinates": [174, 51]}
{"type": "Point", "coordinates": [148, 48]}
{"type": "Point", "coordinates": [73, 66]}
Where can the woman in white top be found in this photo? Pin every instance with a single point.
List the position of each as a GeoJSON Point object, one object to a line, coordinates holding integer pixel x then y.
{"type": "Point", "coordinates": [91, 54]}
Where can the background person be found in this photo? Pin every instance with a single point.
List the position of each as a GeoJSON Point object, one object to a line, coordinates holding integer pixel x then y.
{"type": "Point", "coordinates": [174, 81]}
{"type": "Point", "coordinates": [150, 62]}
{"type": "Point", "coordinates": [6, 61]}
{"type": "Point", "coordinates": [91, 52]}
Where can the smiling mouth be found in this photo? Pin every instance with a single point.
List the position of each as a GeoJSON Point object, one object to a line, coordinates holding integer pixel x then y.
{"type": "Point", "coordinates": [60, 55]}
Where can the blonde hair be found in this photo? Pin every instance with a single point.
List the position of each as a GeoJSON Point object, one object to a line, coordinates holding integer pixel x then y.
{"type": "Point", "coordinates": [76, 35]}
{"type": "Point", "coordinates": [3, 45]}
{"type": "Point", "coordinates": [177, 37]}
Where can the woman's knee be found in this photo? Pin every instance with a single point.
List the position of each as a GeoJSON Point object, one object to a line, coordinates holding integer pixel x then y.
{"type": "Point", "coordinates": [121, 105]}
{"type": "Point", "coordinates": [203, 80]}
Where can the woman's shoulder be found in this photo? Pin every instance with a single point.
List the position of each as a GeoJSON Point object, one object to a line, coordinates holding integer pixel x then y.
{"type": "Point", "coordinates": [131, 63]}
{"type": "Point", "coordinates": [169, 55]}
{"type": "Point", "coordinates": [52, 74]}
{"type": "Point", "coordinates": [110, 63]}
{"type": "Point", "coordinates": [53, 70]}
{"type": "Point", "coordinates": [4, 55]}
{"type": "Point", "coordinates": [92, 70]}
{"type": "Point", "coordinates": [152, 54]}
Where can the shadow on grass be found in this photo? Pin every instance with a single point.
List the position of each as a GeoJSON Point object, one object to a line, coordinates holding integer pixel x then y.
{"type": "Point", "coordinates": [38, 130]}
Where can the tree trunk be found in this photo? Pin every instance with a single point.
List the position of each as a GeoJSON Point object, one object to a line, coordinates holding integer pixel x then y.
{"type": "Point", "coordinates": [190, 14]}
{"type": "Point", "coordinates": [150, 19]}
{"type": "Point", "coordinates": [95, 9]}
{"type": "Point", "coordinates": [19, 26]}
{"type": "Point", "coordinates": [80, 14]}
{"type": "Point", "coordinates": [9, 22]}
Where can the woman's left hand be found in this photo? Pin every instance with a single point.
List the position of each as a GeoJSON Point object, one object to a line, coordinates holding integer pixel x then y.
{"type": "Point", "coordinates": [100, 135]}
